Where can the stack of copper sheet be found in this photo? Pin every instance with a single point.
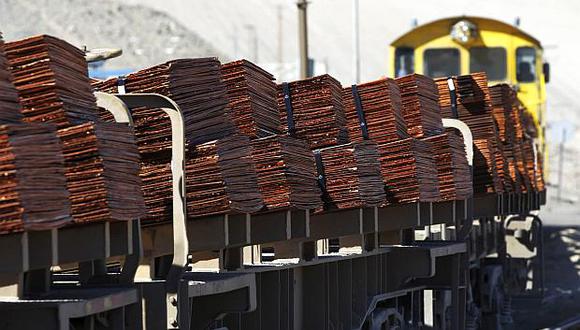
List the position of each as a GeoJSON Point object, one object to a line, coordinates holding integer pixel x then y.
{"type": "Point", "coordinates": [501, 101]}
{"type": "Point", "coordinates": [286, 173]}
{"type": "Point", "coordinates": [33, 184]}
{"type": "Point", "coordinates": [11, 111]}
{"type": "Point", "coordinates": [528, 123]}
{"type": "Point", "coordinates": [522, 169]}
{"type": "Point", "coordinates": [420, 105]}
{"type": "Point", "coordinates": [530, 162]}
{"type": "Point", "coordinates": [149, 122]}
{"type": "Point", "coordinates": [518, 148]}
{"type": "Point", "coordinates": [470, 101]}
{"type": "Point", "coordinates": [509, 152]}
{"type": "Point", "coordinates": [221, 178]}
{"type": "Point", "coordinates": [506, 112]}
{"type": "Point", "coordinates": [516, 116]}
{"type": "Point", "coordinates": [472, 88]}
{"type": "Point", "coordinates": [101, 159]}
{"type": "Point", "coordinates": [374, 111]}
{"type": "Point", "coordinates": [102, 170]}
{"type": "Point", "coordinates": [312, 110]}
{"type": "Point", "coordinates": [513, 156]}
{"type": "Point", "coordinates": [513, 172]}
{"type": "Point", "coordinates": [252, 98]}
{"type": "Point", "coordinates": [473, 103]}
{"type": "Point", "coordinates": [157, 191]}
{"type": "Point", "coordinates": [409, 171]}
{"type": "Point", "coordinates": [485, 174]}
{"type": "Point", "coordinates": [349, 176]}
{"type": "Point", "coordinates": [52, 81]}
{"type": "Point", "coordinates": [152, 133]}
{"type": "Point", "coordinates": [452, 168]}
{"type": "Point", "coordinates": [540, 184]}
{"type": "Point", "coordinates": [502, 167]}
{"type": "Point", "coordinates": [195, 85]}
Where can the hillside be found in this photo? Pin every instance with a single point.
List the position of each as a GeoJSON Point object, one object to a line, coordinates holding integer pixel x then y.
{"type": "Point", "coordinates": [147, 36]}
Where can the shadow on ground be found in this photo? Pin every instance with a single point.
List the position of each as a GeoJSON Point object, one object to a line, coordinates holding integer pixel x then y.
{"type": "Point", "coordinates": [562, 278]}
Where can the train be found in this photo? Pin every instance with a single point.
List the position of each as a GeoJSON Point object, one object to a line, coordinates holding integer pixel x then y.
{"type": "Point", "coordinates": [444, 264]}
{"type": "Point", "coordinates": [467, 44]}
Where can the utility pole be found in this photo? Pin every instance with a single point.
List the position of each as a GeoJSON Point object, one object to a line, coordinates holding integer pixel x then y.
{"type": "Point", "coordinates": [253, 36]}
{"type": "Point", "coordinates": [235, 41]}
{"type": "Point", "coordinates": [303, 37]}
{"type": "Point", "coordinates": [355, 42]}
{"type": "Point", "coordinates": [280, 43]}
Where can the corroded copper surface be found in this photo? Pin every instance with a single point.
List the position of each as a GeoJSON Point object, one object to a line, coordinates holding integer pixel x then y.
{"type": "Point", "coordinates": [382, 111]}
{"type": "Point", "coordinates": [318, 111]}
{"type": "Point", "coordinates": [286, 173]}
{"type": "Point", "coordinates": [252, 98]}
{"type": "Point", "coordinates": [33, 188]}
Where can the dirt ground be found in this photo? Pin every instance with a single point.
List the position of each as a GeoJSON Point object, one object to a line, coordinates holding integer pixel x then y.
{"type": "Point", "coordinates": [562, 276]}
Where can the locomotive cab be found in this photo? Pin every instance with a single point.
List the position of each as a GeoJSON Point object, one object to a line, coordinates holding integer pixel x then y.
{"type": "Point", "coordinates": [463, 45]}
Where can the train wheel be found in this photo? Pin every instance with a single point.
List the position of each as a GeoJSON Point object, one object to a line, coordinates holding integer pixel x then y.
{"type": "Point", "coordinates": [495, 303]}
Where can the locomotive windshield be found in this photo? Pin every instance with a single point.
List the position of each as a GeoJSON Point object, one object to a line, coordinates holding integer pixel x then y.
{"type": "Point", "coordinates": [404, 61]}
{"type": "Point", "coordinates": [441, 62]}
{"type": "Point", "coordinates": [526, 64]}
{"type": "Point", "coordinates": [491, 60]}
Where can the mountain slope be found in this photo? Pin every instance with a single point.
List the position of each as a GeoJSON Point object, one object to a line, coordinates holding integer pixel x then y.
{"type": "Point", "coordinates": [147, 36]}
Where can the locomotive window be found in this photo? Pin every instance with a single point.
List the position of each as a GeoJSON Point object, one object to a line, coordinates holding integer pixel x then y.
{"type": "Point", "coordinates": [492, 61]}
{"type": "Point", "coordinates": [526, 64]}
{"type": "Point", "coordinates": [404, 61]}
{"type": "Point", "coordinates": [441, 62]}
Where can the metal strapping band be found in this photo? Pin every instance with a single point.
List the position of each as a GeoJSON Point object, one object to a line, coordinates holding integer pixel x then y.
{"type": "Point", "coordinates": [121, 85]}
{"type": "Point", "coordinates": [289, 112]}
{"type": "Point", "coordinates": [321, 177]}
{"type": "Point", "coordinates": [359, 111]}
{"type": "Point", "coordinates": [453, 97]}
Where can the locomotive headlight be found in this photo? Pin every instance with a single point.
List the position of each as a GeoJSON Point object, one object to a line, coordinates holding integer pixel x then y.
{"type": "Point", "coordinates": [463, 31]}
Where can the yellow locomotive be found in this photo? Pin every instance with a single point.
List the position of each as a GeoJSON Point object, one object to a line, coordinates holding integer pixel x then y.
{"type": "Point", "coordinates": [465, 44]}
